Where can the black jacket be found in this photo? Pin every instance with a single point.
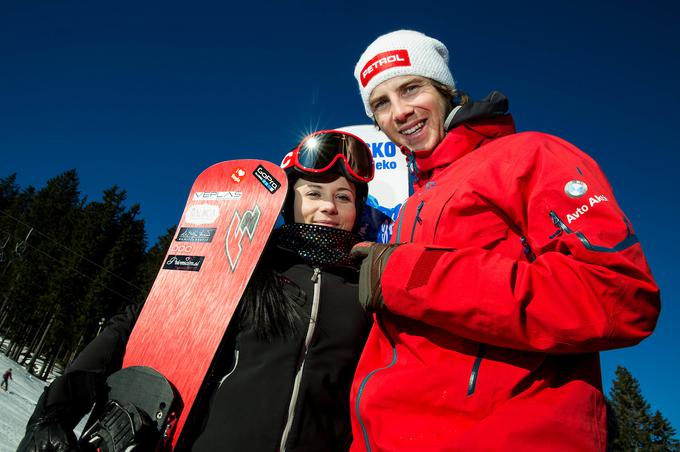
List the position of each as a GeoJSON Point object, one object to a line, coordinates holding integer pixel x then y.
{"type": "Point", "coordinates": [262, 395]}
{"type": "Point", "coordinates": [266, 381]}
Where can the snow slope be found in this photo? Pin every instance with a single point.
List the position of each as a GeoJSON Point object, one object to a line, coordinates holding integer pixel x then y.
{"type": "Point", "coordinates": [16, 404]}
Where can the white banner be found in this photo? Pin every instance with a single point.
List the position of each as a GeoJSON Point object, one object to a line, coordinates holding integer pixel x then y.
{"type": "Point", "coordinates": [389, 188]}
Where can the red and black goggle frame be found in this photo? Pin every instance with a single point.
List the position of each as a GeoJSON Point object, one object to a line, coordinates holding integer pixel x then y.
{"type": "Point", "coordinates": [320, 151]}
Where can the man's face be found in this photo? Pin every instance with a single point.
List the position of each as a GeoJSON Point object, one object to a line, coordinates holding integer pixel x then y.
{"type": "Point", "coordinates": [410, 111]}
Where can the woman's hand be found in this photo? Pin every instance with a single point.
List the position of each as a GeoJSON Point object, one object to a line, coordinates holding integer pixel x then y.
{"type": "Point", "coordinates": [47, 435]}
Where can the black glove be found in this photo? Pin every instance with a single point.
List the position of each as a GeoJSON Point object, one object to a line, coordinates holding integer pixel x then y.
{"type": "Point", "coordinates": [58, 411]}
{"type": "Point", "coordinates": [46, 434]}
{"type": "Point", "coordinates": [375, 256]}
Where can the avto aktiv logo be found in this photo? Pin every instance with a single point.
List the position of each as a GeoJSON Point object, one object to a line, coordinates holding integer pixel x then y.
{"type": "Point", "coordinates": [241, 226]}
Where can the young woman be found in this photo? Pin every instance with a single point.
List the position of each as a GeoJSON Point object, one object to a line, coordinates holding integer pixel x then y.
{"type": "Point", "coordinates": [282, 375]}
{"type": "Point", "coordinates": [516, 268]}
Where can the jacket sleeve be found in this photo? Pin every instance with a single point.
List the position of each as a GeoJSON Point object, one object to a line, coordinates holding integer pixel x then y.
{"type": "Point", "coordinates": [104, 355]}
{"type": "Point", "coordinates": [73, 394]}
{"type": "Point", "coordinates": [589, 287]}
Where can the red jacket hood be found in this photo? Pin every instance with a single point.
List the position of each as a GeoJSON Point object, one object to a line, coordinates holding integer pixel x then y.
{"type": "Point", "coordinates": [460, 141]}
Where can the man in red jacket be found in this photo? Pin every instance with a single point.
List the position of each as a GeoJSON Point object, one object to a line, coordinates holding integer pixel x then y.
{"type": "Point", "coordinates": [512, 266]}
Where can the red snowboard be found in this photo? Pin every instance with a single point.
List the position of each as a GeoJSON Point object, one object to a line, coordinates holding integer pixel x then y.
{"type": "Point", "coordinates": [230, 213]}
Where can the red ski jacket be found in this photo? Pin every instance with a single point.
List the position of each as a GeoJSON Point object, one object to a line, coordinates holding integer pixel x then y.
{"type": "Point", "coordinates": [518, 267]}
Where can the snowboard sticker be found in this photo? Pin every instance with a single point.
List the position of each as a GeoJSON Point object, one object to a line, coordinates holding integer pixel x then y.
{"type": "Point", "coordinates": [230, 213]}
{"type": "Point", "coordinates": [389, 188]}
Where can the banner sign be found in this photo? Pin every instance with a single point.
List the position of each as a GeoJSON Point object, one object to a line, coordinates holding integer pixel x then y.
{"type": "Point", "coordinates": [389, 188]}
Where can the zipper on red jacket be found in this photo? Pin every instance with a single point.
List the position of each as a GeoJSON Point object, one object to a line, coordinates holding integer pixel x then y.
{"type": "Point", "coordinates": [417, 220]}
{"type": "Point", "coordinates": [527, 249]}
{"type": "Point", "coordinates": [474, 373]}
{"type": "Point", "coordinates": [367, 377]}
{"type": "Point", "coordinates": [630, 240]}
{"type": "Point", "coordinates": [401, 220]}
{"type": "Point", "coordinates": [357, 405]}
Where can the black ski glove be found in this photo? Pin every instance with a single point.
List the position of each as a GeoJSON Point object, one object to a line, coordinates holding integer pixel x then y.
{"type": "Point", "coordinates": [58, 411]}
{"type": "Point", "coordinates": [375, 256]}
{"type": "Point", "coordinates": [46, 434]}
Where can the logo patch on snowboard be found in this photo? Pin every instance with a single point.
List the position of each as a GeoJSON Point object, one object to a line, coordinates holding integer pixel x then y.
{"type": "Point", "coordinates": [202, 214]}
{"type": "Point", "coordinates": [217, 195]}
{"type": "Point", "coordinates": [240, 227]}
{"type": "Point", "coordinates": [186, 263]}
{"type": "Point", "coordinates": [181, 249]}
{"type": "Point", "coordinates": [196, 235]}
{"type": "Point", "coordinates": [267, 179]}
{"type": "Point", "coordinates": [238, 174]}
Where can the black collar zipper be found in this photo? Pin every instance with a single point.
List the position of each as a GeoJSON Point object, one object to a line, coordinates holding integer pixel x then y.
{"type": "Point", "coordinates": [417, 220]}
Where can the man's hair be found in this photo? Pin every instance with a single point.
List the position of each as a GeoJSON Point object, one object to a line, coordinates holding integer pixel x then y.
{"type": "Point", "coordinates": [455, 97]}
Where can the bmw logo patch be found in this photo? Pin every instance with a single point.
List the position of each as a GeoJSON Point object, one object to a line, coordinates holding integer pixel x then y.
{"type": "Point", "coordinates": [575, 188]}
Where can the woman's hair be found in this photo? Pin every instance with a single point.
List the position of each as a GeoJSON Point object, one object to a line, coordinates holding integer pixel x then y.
{"type": "Point", "coordinates": [265, 309]}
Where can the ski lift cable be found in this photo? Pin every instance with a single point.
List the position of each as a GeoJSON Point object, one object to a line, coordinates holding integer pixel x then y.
{"type": "Point", "coordinates": [7, 237]}
{"type": "Point", "coordinates": [20, 246]}
{"type": "Point", "coordinates": [69, 249]}
{"type": "Point", "coordinates": [115, 292]}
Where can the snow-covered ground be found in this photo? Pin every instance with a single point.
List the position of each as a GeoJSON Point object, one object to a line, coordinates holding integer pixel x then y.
{"type": "Point", "coordinates": [17, 403]}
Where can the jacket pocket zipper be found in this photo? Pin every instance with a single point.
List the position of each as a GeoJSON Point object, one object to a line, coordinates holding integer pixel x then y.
{"type": "Point", "coordinates": [401, 220]}
{"type": "Point", "coordinates": [474, 373]}
{"type": "Point", "coordinates": [417, 219]}
{"type": "Point", "coordinates": [630, 240]}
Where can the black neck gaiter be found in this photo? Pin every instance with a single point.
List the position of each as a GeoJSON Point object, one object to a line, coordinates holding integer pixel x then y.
{"type": "Point", "coordinates": [318, 246]}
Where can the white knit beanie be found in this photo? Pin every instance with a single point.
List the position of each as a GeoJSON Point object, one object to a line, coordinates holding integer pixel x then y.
{"type": "Point", "coordinates": [402, 52]}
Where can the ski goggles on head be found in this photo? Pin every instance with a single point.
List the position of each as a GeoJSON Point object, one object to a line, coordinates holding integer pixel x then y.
{"type": "Point", "coordinates": [320, 151]}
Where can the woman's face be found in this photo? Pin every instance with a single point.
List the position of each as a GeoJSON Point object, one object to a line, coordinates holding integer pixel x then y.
{"type": "Point", "coordinates": [326, 202]}
{"type": "Point", "coordinates": [410, 111]}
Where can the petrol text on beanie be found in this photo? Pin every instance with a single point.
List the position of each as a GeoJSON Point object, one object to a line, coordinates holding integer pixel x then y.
{"type": "Point", "coordinates": [402, 52]}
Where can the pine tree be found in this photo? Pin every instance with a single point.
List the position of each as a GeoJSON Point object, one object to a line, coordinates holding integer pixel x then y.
{"type": "Point", "coordinates": [13, 205]}
{"type": "Point", "coordinates": [634, 428]}
{"type": "Point", "coordinates": [118, 240]}
{"type": "Point", "coordinates": [9, 199]}
{"type": "Point", "coordinates": [9, 190]}
{"type": "Point", "coordinates": [153, 260]}
{"type": "Point", "coordinates": [48, 290]}
{"type": "Point", "coordinates": [662, 434]}
{"type": "Point", "coordinates": [81, 262]}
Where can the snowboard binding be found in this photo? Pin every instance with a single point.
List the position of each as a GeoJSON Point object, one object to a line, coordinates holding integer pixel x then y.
{"type": "Point", "coordinates": [124, 426]}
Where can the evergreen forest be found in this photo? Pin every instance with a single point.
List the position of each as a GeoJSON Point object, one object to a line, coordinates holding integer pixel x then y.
{"type": "Point", "coordinates": [67, 265]}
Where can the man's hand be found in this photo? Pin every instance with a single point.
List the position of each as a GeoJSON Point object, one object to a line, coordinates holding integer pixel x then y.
{"type": "Point", "coordinates": [375, 256]}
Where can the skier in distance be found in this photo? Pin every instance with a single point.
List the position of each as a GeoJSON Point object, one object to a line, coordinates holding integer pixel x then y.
{"type": "Point", "coordinates": [5, 379]}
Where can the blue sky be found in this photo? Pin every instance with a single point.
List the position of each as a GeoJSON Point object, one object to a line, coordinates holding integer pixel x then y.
{"type": "Point", "coordinates": [147, 94]}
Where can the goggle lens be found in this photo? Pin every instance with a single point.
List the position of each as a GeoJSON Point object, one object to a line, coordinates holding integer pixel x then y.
{"type": "Point", "coordinates": [321, 150]}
